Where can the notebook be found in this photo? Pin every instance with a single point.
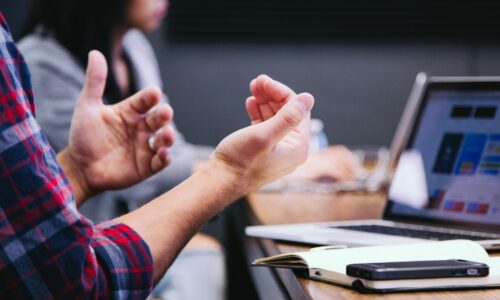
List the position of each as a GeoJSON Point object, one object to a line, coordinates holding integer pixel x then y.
{"type": "Point", "coordinates": [330, 265]}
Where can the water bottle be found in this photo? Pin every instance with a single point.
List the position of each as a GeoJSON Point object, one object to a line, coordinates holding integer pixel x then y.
{"type": "Point", "coordinates": [318, 137]}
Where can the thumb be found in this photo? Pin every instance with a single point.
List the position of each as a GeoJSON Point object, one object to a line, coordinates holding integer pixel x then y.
{"type": "Point", "coordinates": [95, 78]}
{"type": "Point", "coordinates": [290, 116]}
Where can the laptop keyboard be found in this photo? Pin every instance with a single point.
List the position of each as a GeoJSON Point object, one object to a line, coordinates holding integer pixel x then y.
{"type": "Point", "coordinates": [416, 233]}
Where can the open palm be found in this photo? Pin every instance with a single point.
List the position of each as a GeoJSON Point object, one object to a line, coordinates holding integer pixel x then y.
{"type": "Point", "coordinates": [109, 143]}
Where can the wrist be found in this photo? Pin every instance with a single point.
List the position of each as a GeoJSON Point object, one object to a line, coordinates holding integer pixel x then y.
{"type": "Point", "coordinates": [75, 175]}
{"type": "Point", "coordinates": [232, 181]}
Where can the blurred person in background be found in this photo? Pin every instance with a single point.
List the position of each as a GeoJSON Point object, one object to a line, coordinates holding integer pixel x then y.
{"type": "Point", "coordinates": [55, 42]}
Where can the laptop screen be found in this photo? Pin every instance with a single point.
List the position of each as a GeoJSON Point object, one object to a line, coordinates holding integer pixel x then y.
{"type": "Point", "coordinates": [456, 137]}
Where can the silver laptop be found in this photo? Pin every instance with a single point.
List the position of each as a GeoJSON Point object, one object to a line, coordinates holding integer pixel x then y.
{"type": "Point", "coordinates": [447, 180]}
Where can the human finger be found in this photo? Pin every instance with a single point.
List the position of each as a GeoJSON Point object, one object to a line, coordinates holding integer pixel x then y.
{"type": "Point", "coordinates": [95, 78]}
{"type": "Point", "coordinates": [266, 111]}
{"type": "Point", "coordinates": [141, 102]}
{"type": "Point", "coordinates": [342, 162]}
{"type": "Point", "coordinates": [266, 89]}
{"type": "Point", "coordinates": [339, 171]}
{"type": "Point", "coordinates": [253, 110]}
{"type": "Point", "coordinates": [159, 117]}
{"type": "Point", "coordinates": [160, 160]}
{"type": "Point", "coordinates": [275, 106]}
{"type": "Point", "coordinates": [163, 138]}
{"type": "Point", "coordinates": [290, 117]}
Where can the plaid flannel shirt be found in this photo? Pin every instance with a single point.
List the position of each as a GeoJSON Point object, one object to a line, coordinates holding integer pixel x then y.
{"type": "Point", "coordinates": [47, 249]}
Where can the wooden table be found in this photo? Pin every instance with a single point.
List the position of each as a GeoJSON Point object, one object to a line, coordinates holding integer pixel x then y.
{"type": "Point", "coordinates": [280, 208]}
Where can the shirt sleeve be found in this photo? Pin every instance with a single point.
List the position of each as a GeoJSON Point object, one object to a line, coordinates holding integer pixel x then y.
{"type": "Point", "coordinates": [47, 249]}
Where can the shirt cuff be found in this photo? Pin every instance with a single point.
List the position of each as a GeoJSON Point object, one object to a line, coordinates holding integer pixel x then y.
{"type": "Point", "coordinates": [125, 261]}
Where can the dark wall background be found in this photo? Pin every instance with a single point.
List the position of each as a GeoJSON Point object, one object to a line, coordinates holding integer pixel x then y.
{"type": "Point", "coordinates": [360, 84]}
{"type": "Point", "coordinates": [15, 11]}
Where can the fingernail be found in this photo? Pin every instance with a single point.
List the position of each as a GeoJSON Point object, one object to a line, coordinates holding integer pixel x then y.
{"type": "Point", "coordinates": [304, 101]}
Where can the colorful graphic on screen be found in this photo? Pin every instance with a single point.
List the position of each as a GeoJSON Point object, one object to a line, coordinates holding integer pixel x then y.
{"type": "Point", "coordinates": [458, 137]}
{"type": "Point", "coordinates": [450, 145]}
{"type": "Point", "coordinates": [470, 155]}
{"type": "Point", "coordinates": [490, 164]}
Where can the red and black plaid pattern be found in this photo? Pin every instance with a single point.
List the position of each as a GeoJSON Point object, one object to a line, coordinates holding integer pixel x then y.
{"type": "Point", "coordinates": [47, 249]}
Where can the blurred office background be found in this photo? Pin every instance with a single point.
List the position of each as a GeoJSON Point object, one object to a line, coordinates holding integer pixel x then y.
{"type": "Point", "coordinates": [359, 58]}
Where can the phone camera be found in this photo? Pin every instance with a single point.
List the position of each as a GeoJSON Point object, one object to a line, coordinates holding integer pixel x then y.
{"type": "Point", "coordinates": [472, 272]}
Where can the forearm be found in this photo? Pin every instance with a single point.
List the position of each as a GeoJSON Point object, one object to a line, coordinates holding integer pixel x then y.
{"type": "Point", "coordinates": [75, 176]}
{"type": "Point", "coordinates": [168, 222]}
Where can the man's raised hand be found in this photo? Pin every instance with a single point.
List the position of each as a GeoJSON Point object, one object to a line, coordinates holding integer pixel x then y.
{"type": "Point", "coordinates": [108, 144]}
{"type": "Point", "coordinates": [276, 142]}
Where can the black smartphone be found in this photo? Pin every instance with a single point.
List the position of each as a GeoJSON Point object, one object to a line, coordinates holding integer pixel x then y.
{"type": "Point", "coordinates": [418, 269]}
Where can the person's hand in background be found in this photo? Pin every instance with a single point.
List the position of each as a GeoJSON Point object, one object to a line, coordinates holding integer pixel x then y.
{"type": "Point", "coordinates": [336, 163]}
{"type": "Point", "coordinates": [108, 144]}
